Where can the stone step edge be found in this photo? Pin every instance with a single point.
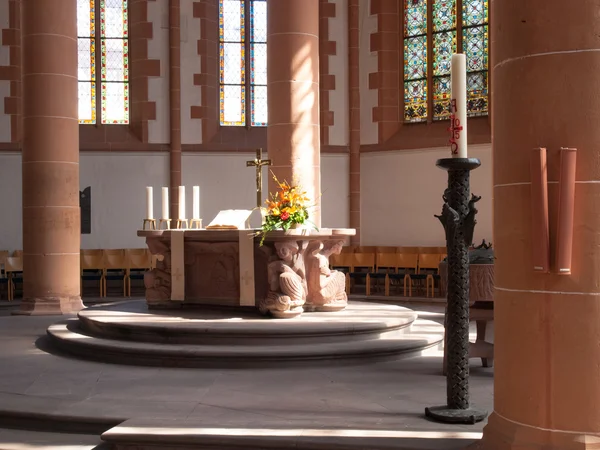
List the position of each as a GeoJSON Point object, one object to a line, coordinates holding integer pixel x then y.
{"type": "Point", "coordinates": [148, 332]}
{"type": "Point", "coordinates": [149, 354]}
{"type": "Point", "coordinates": [184, 434]}
{"type": "Point", "coordinates": [63, 332]}
{"type": "Point", "coordinates": [29, 417]}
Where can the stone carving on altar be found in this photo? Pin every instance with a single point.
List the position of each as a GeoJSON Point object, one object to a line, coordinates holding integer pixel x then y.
{"type": "Point", "coordinates": [326, 287]}
{"type": "Point", "coordinates": [158, 280]}
{"type": "Point", "coordinates": [212, 270]}
{"type": "Point", "coordinates": [287, 281]}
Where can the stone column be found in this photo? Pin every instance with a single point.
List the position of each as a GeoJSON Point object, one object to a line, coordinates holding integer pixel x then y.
{"type": "Point", "coordinates": [547, 327]}
{"type": "Point", "coordinates": [51, 217]}
{"type": "Point", "coordinates": [293, 136]}
{"type": "Point", "coordinates": [175, 104]}
{"type": "Point", "coordinates": [354, 115]}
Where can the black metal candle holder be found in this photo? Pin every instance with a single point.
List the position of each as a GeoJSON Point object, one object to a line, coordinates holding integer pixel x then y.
{"type": "Point", "coordinates": [458, 219]}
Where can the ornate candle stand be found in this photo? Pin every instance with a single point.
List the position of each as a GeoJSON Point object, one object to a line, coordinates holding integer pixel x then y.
{"type": "Point", "coordinates": [458, 219]}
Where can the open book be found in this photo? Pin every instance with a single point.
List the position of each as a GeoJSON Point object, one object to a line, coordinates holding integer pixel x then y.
{"type": "Point", "coordinates": [230, 219]}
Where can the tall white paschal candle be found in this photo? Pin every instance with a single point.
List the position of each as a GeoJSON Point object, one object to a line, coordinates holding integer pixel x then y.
{"type": "Point", "coordinates": [165, 203]}
{"type": "Point", "coordinates": [458, 105]}
{"type": "Point", "coordinates": [149, 203]}
{"type": "Point", "coordinates": [196, 203]}
{"type": "Point", "coordinates": [181, 202]}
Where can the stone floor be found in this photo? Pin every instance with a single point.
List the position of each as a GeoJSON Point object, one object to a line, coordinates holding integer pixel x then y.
{"type": "Point", "coordinates": [50, 392]}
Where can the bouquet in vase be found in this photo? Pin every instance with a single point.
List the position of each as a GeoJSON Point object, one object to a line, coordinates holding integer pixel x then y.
{"type": "Point", "coordinates": [287, 208]}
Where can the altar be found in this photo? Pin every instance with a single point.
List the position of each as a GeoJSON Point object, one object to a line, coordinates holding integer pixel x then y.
{"type": "Point", "coordinates": [287, 275]}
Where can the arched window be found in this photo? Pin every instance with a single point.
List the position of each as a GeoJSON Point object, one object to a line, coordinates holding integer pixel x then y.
{"type": "Point", "coordinates": [243, 62]}
{"type": "Point", "coordinates": [110, 56]}
{"type": "Point", "coordinates": [430, 39]}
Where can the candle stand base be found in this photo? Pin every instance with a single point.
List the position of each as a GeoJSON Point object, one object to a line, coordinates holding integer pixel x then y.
{"type": "Point", "coordinates": [446, 414]}
{"type": "Point", "coordinates": [196, 223]}
{"type": "Point", "coordinates": [165, 222]}
{"type": "Point", "coordinates": [179, 223]}
{"type": "Point", "coordinates": [151, 224]}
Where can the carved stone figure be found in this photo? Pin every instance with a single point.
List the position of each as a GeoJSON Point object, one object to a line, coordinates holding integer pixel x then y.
{"type": "Point", "coordinates": [158, 281]}
{"type": "Point", "coordinates": [287, 281]}
{"type": "Point", "coordinates": [327, 288]}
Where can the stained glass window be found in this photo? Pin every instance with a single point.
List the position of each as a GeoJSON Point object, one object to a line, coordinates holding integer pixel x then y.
{"type": "Point", "coordinates": [113, 77]}
{"type": "Point", "coordinates": [243, 62]}
{"type": "Point", "coordinates": [86, 43]}
{"type": "Point", "coordinates": [415, 60]}
{"type": "Point", "coordinates": [430, 39]}
{"type": "Point", "coordinates": [475, 47]}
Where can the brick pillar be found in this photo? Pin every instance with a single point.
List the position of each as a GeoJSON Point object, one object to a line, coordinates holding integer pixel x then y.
{"type": "Point", "coordinates": [293, 136]}
{"type": "Point", "coordinates": [547, 326]}
{"type": "Point", "coordinates": [175, 103]}
{"type": "Point", "coordinates": [51, 217]}
{"type": "Point", "coordinates": [354, 116]}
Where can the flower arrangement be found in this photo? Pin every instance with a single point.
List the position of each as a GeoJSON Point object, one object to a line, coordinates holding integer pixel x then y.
{"type": "Point", "coordinates": [286, 208]}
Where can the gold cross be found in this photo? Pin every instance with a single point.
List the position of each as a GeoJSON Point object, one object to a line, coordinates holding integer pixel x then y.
{"type": "Point", "coordinates": [258, 163]}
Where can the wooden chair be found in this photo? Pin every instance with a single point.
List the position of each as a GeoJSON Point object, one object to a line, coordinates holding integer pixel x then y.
{"type": "Point", "coordinates": [430, 263]}
{"type": "Point", "coordinates": [405, 267]}
{"type": "Point", "coordinates": [13, 266]}
{"type": "Point", "coordinates": [386, 269]}
{"type": "Point", "coordinates": [139, 262]}
{"type": "Point", "coordinates": [92, 268]}
{"type": "Point", "coordinates": [366, 262]}
{"type": "Point", "coordinates": [3, 276]}
{"type": "Point", "coordinates": [116, 267]}
{"type": "Point", "coordinates": [342, 263]}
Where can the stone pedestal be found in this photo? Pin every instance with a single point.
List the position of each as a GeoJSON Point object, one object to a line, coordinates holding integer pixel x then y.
{"type": "Point", "coordinates": [287, 275]}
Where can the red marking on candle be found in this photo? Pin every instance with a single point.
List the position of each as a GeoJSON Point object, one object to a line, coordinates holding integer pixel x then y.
{"type": "Point", "coordinates": [455, 128]}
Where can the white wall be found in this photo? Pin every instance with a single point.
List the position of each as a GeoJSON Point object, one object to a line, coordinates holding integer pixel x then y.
{"type": "Point", "coordinates": [191, 129]}
{"type": "Point", "coordinates": [368, 64]}
{"type": "Point", "coordinates": [158, 87]}
{"type": "Point", "coordinates": [118, 182]}
{"type": "Point", "coordinates": [226, 183]}
{"type": "Point", "coordinates": [401, 191]}
{"type": "Point", "coordinates": [338, 66]}
{"type": "Point", "coordinates": [5, 129]}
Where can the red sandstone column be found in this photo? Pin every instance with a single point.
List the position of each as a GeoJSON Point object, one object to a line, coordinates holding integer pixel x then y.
{"type": "Point", "coordinates": [354, 116]}
{"type": "Point", "coordinates": [51, 218]}
{"type": "Point", "coordinates": [293, 137]}
{"type": "Point", "coordinates": [175, 103]}
{"type": "Point", "coordinates": [547, 326]}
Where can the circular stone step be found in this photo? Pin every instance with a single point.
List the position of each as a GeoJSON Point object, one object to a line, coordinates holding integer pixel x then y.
{"type": "Point", "coordinates": [124, 334]}
{"type": "Point", "coordinates": [132, 321]}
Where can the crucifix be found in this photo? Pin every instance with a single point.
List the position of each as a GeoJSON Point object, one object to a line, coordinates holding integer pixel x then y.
{"type": "Point", "coordinates": [258, 163]}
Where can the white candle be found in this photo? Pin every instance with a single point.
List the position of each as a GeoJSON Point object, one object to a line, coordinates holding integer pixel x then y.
{"type": "Point", "coordinates": [181, 202]}
{"type": "Point", "coordinates": [196, 203]}
{"type": "Point", "coordinates": [165, 203]}
{"type": "Point", "coordinates": [458, 105]}
{"type": "Point", "coordinates": [149, 203]}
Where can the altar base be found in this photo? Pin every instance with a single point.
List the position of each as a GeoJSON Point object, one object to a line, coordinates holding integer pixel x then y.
{"type": "Point", "coordinates": [284, 277]}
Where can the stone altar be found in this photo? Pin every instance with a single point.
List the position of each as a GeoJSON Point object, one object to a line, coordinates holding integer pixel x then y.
{"type": "Point", "coordinates": [286, 276]}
